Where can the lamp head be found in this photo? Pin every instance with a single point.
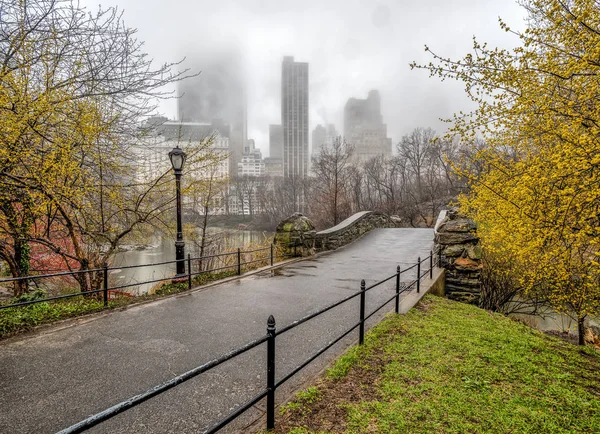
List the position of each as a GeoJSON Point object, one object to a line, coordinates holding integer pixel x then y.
{"type": "Point", "coordinates": [177, 157]}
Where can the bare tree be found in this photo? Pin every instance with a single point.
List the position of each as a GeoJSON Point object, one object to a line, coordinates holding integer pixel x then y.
{"type": "Point", "coordinates": [331, 169]}
{"type": "Point", "coordinates": [74, 87]}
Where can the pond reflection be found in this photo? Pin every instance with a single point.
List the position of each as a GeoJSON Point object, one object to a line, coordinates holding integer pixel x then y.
{"type": "Point", "coordinates": [163, 250]}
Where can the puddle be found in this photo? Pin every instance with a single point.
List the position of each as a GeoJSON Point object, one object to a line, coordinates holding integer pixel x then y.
{"type": "Point", "coordinates": [278, 272]}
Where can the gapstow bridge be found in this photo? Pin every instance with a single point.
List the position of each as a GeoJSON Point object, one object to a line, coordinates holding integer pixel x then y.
{"type": "Point", "coordinates": [57, 376]}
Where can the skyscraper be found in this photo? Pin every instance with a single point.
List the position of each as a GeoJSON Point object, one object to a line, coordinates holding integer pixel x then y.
{"type": "Point", "coordinates": [323, 136]}
{"type": "Point", "coordinates": [364, 128]}
{"type": "Point", "coordinates": [294, 116]}
{"type": "Point", "coordinates": [218, 93]}
{"type": "Point", "coordinates": [276, 141]}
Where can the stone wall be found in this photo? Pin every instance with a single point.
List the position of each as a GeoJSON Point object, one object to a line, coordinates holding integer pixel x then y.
{"type": "Point", "coordinates": [293, 233]}
{"type": "Point", "coordinates": [456, 239]}
{"type": "Point", "coordinates": [352, 228]}
{"type": "Point", "coordinates": [299, 229]}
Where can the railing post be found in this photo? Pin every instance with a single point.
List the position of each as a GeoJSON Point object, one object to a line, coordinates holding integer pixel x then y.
{"type": "Point", "coordinates": [418, 274]}
{"type": "Point", "coordinates": [271, 372]}
{"type": "Point", "coordinates": [361, 329]}
{"type": "Point", "coordinates": [189, 271]}
{"type": "Point", "coordinates": [295, 250]}
{"type": "Point", "coordinates": [105, 284]}
{"type": "Point", "coordinates": [271, 254]}
{"type": "Point", "coordinates": [398, 289]}
{"type": "Point", "coordinates": [239, 261]}
{"type": "Point", "coordinates": [430, 264]}
{"type": "Point", "coordinates": [439, 257]}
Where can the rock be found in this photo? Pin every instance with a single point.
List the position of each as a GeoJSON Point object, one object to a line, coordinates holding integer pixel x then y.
{"type": "Point", "coordinates": [397, 220]}
{"type": "Point", "coordinates": [467, 264]}
{"type": "Point", "coordinates": [455, 238]}
{"type": "Point", "coordinates": [453, 250]}
{"type": "Point", "coordinates": [297, 222]}
{"type": "Point", "coordinates": [590, 337]}
{"type": "Point", "coordinates": [296, 229]}
{"type": "Point", "coordinates": [463, 283]}
{"type": "Point", "coordinates": [474, 252]}
{"type": "Point", "coordinates": [458, 225]}
{"type": "Point", "coordinates": [460, 288]}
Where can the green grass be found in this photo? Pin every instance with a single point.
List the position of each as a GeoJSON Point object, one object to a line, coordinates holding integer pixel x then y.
{"type": "Point", "coordinates": [16, 319]}
{"type": "Point", "coordinates": [308, 396]}
{"type": "Point", "coordinates": [20, 319]}
{"type": "Point", "coordinates": [452, 368]}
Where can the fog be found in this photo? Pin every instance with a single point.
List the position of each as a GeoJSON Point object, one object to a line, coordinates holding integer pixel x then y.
{"type": "Point", "coordinates": [351, 46]}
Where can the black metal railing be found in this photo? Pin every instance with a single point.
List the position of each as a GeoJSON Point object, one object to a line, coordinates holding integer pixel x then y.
{"type": "Point", "coordinates": [271, 339]}
{"type": "Point", "coordinates": [272, 255]}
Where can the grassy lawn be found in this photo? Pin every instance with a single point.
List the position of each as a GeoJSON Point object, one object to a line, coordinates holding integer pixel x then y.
{"type": "Point", "coordinates": [447, 367]}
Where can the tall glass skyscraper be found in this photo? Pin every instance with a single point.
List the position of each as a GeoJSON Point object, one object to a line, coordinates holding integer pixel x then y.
{"type": "Point", "coordinates": [294, 117]}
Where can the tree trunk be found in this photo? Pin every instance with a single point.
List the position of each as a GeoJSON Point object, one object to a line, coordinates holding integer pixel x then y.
{"type": "Point", "coordinates": [203, 237]}
{"type": "Point", "coordinates": [581, 330]}
{"type": "Point", "coordinates": [22, 258]}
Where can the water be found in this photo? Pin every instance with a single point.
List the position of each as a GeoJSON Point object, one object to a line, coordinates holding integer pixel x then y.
{"type": "Point", "coordinates": [553, 321]}
{"type": "Point", "coordinates": [165, 251]}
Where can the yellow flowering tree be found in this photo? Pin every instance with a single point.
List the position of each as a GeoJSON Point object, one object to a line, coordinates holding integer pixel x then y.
{"type": "Point", "coordinates": [74, 88]}
{"type": "Point", "coordinates": [537, 201]}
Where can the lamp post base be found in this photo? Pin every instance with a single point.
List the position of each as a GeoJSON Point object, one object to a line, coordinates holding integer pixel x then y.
{"type": "Point", "coordinates": [180, 258]}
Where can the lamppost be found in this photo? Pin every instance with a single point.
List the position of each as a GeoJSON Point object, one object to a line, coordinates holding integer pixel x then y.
{"type": "Point", "coordinates": [177, 157]}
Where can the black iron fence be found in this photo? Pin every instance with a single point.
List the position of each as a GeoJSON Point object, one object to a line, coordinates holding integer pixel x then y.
{"type": "Point", "coordinates": [271, 255]}
{"type": "Point", "coordinates": [271, 339]}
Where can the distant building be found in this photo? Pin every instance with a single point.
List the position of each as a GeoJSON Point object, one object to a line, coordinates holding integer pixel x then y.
{"type": "Point", "coordinates": [294, 117]}
{"type": "Point", "coordinates": [219, 92]}
{"type": "Point", "coordinates": [273, 166]}
{"type": "Point", "coordinates": [364, 128]}
{"type": "Point", "coordinates": [323, 136]}
{"type": "Point", "coordinates": [252, 163]}
{"type": "Point", "coordinates": [162, 135]}
{"type": "Point", "coordinates": [186, 132]}
{"type": "Point", "coordinates": [276, 141]}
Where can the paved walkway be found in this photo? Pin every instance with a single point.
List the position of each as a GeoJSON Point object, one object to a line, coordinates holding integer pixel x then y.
{"type": "Point", "coordinates": [53, 379]}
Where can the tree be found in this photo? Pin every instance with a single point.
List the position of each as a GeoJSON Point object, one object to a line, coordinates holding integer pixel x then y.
{"type": "Point", "coordinates": [331, 169]}
{"type": "Point", "coordinates": [428, 182]}
{"type": "Point", "coordinates": [208, 193]}
{"type": "Point", "coordinates": [538, 199]}
{"type": "Point", "coordinates": [385, 184]}
{"type": "Point", "coordinates": [74, 87]}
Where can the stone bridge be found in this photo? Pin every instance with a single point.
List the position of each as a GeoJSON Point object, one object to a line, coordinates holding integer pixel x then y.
{"type": "Point", "coordinates": [58, 375]}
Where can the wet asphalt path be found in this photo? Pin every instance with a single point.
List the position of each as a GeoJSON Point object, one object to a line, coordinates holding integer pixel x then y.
{"type": "Point", "coordinates": [53, 379]}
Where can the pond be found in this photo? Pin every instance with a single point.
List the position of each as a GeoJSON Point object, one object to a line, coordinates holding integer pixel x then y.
{"type": "Point", "coordinates": [164, 251]}
{"type": "Point", "coordinates": [553, 321]}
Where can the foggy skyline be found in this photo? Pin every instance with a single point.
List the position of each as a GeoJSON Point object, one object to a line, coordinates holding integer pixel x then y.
{"type": "Point", "coordinates": [352, 46]}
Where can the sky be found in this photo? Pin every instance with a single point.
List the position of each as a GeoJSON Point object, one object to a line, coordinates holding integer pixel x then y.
{"type": "Point", "coordinates": [352, 46]}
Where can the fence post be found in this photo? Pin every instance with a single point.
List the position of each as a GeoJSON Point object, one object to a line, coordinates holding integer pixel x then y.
{"type": "Point", "coordinates": [295, 250]}
{"type": "Point", "coordinates": [398, 289]}
{"type": "Point", "coordinates": [189, 271]}
{"type": "Point", "coordinates": [430, 264]}
{"type": "Point", "coordinates": [105, 284]}
{"type": "Point", "coordinates": [239, 261]}
{"type": "Point", "coordinates": [271, 372]}
{"type": "Point", "coordinates": [439, 257]}
{"type": "Point", "coordinates": [271, 254]}
{"type": "Point", "coordinates": [418, 274]}
{"type": "Point", "coordinates": [361, 329]}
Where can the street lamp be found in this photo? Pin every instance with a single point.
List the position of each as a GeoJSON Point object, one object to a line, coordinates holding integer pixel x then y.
{"type": "Point", "coordinates": [177, 157]}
